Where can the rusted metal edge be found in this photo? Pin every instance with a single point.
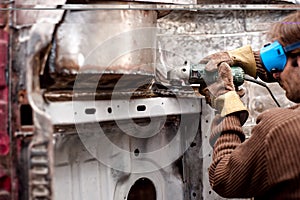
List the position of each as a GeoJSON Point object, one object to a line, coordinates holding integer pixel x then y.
{"type": "Point", "coordinates": [40, 148]}
{"type": "Point", "coordinates": [145, 6]}
{"type": "Point", "coordinates": [169, 1]}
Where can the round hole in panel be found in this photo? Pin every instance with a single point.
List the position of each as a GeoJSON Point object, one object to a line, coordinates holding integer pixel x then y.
{"type": "Point", "coordinates": [136, 152]}
{"type": "Point", "coordinates": [144, 189]}
{"type": "Point", "coordinates": [194, 194]}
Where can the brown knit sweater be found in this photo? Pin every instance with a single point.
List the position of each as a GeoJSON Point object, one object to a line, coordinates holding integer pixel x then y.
{"type": "Point", "coordinates": [265, 166]}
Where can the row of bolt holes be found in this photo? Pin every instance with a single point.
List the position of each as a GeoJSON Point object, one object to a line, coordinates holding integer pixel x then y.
{"type": "Point", "coordinates": [139, 108]}
{"type": "Point", "coordinates": [91, 111]}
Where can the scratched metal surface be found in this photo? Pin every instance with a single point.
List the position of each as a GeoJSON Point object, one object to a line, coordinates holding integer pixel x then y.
{"type": "Point", "coordinates": [184, 35]}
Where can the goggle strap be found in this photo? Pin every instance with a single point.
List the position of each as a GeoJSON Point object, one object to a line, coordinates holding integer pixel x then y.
{"type": "Point", "coordinates": [291, 47]}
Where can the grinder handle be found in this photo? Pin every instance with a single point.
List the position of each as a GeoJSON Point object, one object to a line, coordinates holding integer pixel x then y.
{"type": "Point", "coordinates": [198, 75]}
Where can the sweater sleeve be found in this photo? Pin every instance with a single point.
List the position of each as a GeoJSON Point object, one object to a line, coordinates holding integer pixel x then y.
{"type": "Point", "coordinates": [238, 169]}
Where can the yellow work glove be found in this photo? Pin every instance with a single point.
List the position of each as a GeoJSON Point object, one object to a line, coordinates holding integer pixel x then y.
{"type": "Point", "coordinates": [242, 57]}
{"type": "Point", "coordinates": [230, 102]}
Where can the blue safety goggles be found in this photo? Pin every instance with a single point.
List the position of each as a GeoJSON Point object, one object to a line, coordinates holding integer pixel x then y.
{"type": "Point", "coordinates": [274, 55]}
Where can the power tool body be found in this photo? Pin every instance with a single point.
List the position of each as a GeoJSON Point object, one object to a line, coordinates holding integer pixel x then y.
{"type": "Point", "coordinates": [189, 74]}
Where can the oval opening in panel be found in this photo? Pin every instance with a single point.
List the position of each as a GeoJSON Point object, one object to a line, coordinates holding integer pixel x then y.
{"type": "Point", "coordinates": [144, 189]}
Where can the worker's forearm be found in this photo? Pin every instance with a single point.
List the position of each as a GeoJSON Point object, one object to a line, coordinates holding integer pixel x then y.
{"type": "Point", "coordinates": [234, 172]}
{"type": "Point", "coordinates": [229, 124]}
{"type": "Point", "coordinates": [221, 178]}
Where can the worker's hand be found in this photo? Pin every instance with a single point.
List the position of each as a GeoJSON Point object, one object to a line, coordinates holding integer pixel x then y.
{"type": "Point", "coordinates": [242, 57]}
{"type": "Point", "coordinates": [222, 96]}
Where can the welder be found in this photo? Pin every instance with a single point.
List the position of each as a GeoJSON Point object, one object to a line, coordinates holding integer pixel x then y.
{"type": "Point", "coordinates": [267, 165]}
